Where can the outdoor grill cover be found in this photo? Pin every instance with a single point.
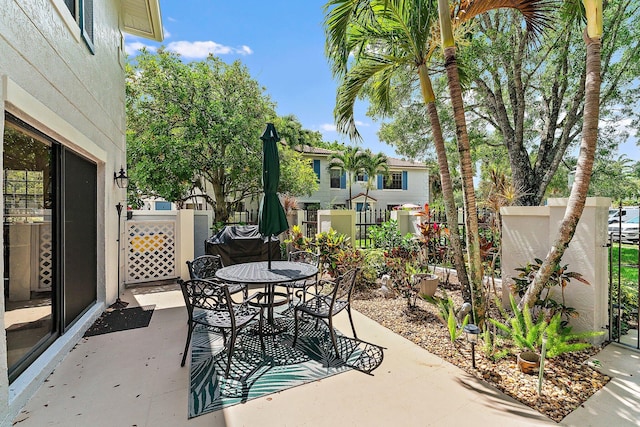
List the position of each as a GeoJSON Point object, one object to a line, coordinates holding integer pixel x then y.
{"type": "Point", "coordinates": [237, 244]}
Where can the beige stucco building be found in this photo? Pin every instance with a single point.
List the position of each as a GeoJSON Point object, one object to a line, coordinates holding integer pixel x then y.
{"type": "Point", "coordinates": [63, 138]}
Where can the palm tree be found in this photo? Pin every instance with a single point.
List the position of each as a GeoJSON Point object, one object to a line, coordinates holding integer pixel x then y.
{"type": "Point", "coordinates": [386, 38]}
{"type": "Point", "coordinates": [349, 162]}
{"type": "Point", "coordinates": [577, 198]}
{"type": "Point", "coordinates": [533, 12]}
{"type": "Point", "coordinates": [373, 165]}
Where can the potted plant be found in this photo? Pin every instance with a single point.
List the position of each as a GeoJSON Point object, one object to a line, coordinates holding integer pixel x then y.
{"type": "Point", "coordinates": [425, 282]}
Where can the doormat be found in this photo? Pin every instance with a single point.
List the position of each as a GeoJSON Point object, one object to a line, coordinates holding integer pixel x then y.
{"type": "Point", "coordinates": [121, 320]}
{"type": "Point", "coordinates": [281, 366]}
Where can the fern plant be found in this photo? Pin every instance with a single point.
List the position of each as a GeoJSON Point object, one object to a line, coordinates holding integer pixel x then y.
{"type": "Point", "coordinates": [561, 340]}
{"type": "Point", "coordinates": [521, 328]}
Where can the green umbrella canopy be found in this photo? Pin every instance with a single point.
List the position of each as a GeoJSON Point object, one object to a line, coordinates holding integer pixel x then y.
{"type": "Point", "coordinates": [273, 220]}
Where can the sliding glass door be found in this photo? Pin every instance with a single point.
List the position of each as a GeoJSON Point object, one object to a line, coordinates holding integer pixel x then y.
{"type": "Point", "coordinates": [50, 241]}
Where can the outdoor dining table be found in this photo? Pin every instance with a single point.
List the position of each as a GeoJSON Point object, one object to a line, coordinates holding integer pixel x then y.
{"type": "Point", "coordinates": [258, 273]}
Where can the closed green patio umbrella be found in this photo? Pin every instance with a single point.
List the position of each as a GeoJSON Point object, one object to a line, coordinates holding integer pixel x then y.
{"type": "Point", "coordinates": [272, 220]}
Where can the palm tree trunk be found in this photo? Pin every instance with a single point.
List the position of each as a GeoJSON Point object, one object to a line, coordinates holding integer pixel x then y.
{"type": "Point", "coordinates": [445, 179]}
{"type": "Point", "coordinates": [583, 174]}
{"type": "Point", "coordinates": [464, 148]}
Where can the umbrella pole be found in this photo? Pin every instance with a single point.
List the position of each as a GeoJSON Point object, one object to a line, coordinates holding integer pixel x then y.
{"type": "Point", "coordinates": [269, 252]}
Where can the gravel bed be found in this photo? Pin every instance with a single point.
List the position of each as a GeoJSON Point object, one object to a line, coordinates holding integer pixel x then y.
{"type": "Point", "coordinates": [568, 379]}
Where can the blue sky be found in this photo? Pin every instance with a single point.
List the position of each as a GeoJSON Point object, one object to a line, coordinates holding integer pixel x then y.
{"type": "Point", "coordinates": [282, 44]}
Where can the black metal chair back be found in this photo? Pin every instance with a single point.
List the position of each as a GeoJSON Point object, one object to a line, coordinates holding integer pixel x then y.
{"type": "Point", "coordinates": [325, 306]}
{"type": "Point", "coordinates": [210, 304]}
{"type": "Point", "coordinates": [205, 266]}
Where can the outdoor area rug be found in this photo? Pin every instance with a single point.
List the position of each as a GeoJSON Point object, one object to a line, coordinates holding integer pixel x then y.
{"type": "Point", "coordinates": [121, 320]}
{"type": "Point", "coordinates": [254, 373]}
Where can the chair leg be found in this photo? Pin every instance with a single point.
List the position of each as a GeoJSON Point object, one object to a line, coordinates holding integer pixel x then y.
{"type": "Point", "coordinates": [295, 318]}
{"type": "Point", "coordinates": [351, 321]}
{"type": "Point", "coordinates": [186, 346]}
{"type": "Point", "coordinates": [260, 334]}
{"type": "Point", "coordinates": [232, 343]}
{"type": "Point", "coordinates": [333, 337]}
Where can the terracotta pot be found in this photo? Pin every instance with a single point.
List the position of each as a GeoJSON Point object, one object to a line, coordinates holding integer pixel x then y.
{"type": "Point", "coordinates": [529, 362]}
{"type": "Point", "coordinates": [427, 282]}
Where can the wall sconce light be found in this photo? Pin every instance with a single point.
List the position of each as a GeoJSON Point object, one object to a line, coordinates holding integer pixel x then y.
{"type": "Point", "coordinates": [471, 332]}
{"type": "Point", "coordinates": [121, 178]}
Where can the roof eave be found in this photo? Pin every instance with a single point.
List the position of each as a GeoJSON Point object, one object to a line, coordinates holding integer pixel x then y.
{"type": "Point", "coordinates": [142, 18]}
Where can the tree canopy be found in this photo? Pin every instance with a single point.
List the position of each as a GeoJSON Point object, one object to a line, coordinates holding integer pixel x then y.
{"type": "Point", "coordinates": [193, 128]}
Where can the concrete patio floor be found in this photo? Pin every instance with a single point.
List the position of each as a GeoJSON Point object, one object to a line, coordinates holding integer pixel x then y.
{"type": "Point", "coordinates": [134, 378]}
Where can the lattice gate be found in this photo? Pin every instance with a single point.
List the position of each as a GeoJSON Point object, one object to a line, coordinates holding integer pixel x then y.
{"type": "Point", "coordinates": [151, 251]}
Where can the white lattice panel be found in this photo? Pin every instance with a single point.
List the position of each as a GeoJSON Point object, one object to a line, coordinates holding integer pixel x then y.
{"type": "Point", "coordinates": [150, 250]}
{"type": "Point", "coordinates": [45, 257]}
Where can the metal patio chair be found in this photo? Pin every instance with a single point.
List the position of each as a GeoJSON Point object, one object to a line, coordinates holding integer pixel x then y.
{"type": "Point", "coordinates": [299, 288]}
{"type": "Point", "coordinates": [205, 267]}
{"type": "Point", "coordinates": [210, 304]}
{"type": "Point", "coordinates": [326, 305]}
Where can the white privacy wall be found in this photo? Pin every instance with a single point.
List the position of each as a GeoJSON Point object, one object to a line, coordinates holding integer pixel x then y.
{"type": "Point", "coordinates": [528, 233]}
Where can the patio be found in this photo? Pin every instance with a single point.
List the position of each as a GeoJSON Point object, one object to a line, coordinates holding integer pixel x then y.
{"type": "Point", "coordinates": [134, 377]}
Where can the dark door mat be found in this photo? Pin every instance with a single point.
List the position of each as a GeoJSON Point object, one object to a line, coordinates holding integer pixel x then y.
{"type": "Point", "coordinates": [121, 320]}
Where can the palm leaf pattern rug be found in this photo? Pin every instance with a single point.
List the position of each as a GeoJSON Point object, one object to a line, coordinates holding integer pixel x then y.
{"type": "Point", "coordinates": [255, 373]}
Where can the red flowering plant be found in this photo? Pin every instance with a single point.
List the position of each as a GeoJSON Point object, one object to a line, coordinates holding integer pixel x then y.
{"type": "Point", "coordinates": [432, 237]}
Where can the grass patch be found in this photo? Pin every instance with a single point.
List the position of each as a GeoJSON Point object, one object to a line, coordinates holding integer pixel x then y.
{"type": "Point", "coordinates": [628, 264]}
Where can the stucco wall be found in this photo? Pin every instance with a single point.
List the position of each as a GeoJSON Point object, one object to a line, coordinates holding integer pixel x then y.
{"type": "Point", "coordinates": [51, 81]}
{"type": "Point", "coordinates": [529, 232]}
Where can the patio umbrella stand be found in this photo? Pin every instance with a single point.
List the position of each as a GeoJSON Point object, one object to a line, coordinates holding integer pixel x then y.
{"type": "Point", "coordinates": [272, 219]}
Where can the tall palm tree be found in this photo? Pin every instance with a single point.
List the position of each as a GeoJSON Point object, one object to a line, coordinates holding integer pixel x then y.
{"type": "Point", "coordinates": [577, 198]}
{"type": "Point", "coordinates": [373, 165]}
{"type": "Point", "coordinates": [387, 38]}
{"type": "Point", "coordinates": [349, 162]}
{"type": "Point", "coordinates": [533, 12]}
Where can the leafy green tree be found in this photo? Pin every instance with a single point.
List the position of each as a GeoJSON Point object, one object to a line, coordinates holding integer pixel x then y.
{"type": "Point", "coordinates": [534, 97]}
{"type": "Point", "coordinates": [296, 173]}
{"type": "Point", "coordinates": [290, 130]}
{"type": "Point", "coordinates": [195, 127]}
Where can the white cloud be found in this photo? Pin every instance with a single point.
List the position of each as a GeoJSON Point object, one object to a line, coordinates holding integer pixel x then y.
{"type": "Point", "coordinates": [201, 49]}
{"type": "Point", "coordinates": [166, 32]}
{"type": "Point", "coordinates": [359, 123]}
{"type": "Point", "coordinates": [328, 127]}
{"type": "Point", "coordinates": [133, 47]}
{"type": "Point", "coordinates": [245, 50]}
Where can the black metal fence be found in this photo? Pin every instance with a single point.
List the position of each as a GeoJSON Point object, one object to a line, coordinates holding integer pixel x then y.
{"type": "Point", "coordinates": [624, 282]}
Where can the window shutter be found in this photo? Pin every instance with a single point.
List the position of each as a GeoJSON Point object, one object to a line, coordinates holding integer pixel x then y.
{"type": "Point", "coordinates": [86, 22]}
{"type": "Point", "coordinates": [316, 168]}
{"type": "Point", "coordinates": [380, 182]}
{"type": "Point", "coordinates": [405, 177]}
{"type": "Point", "coordinates": [343, 180]}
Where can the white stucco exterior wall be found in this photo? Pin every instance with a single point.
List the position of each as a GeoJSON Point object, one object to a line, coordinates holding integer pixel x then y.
{"type": "Point", "coordinates": [50, 80]}
{"type": "Point", "coordinates": [529, 232]}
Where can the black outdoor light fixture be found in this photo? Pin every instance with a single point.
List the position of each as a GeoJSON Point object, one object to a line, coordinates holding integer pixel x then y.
{"type": "Point", "coordinates": [471, 332]}
{"type": "Point", "coordinates": [121, 178]}
{"type": "Point", "coordinates": [122, 181]}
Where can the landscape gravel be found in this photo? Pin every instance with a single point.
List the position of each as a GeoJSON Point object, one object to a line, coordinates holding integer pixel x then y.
{"type": "Point", "coordinates": [568, 380]}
